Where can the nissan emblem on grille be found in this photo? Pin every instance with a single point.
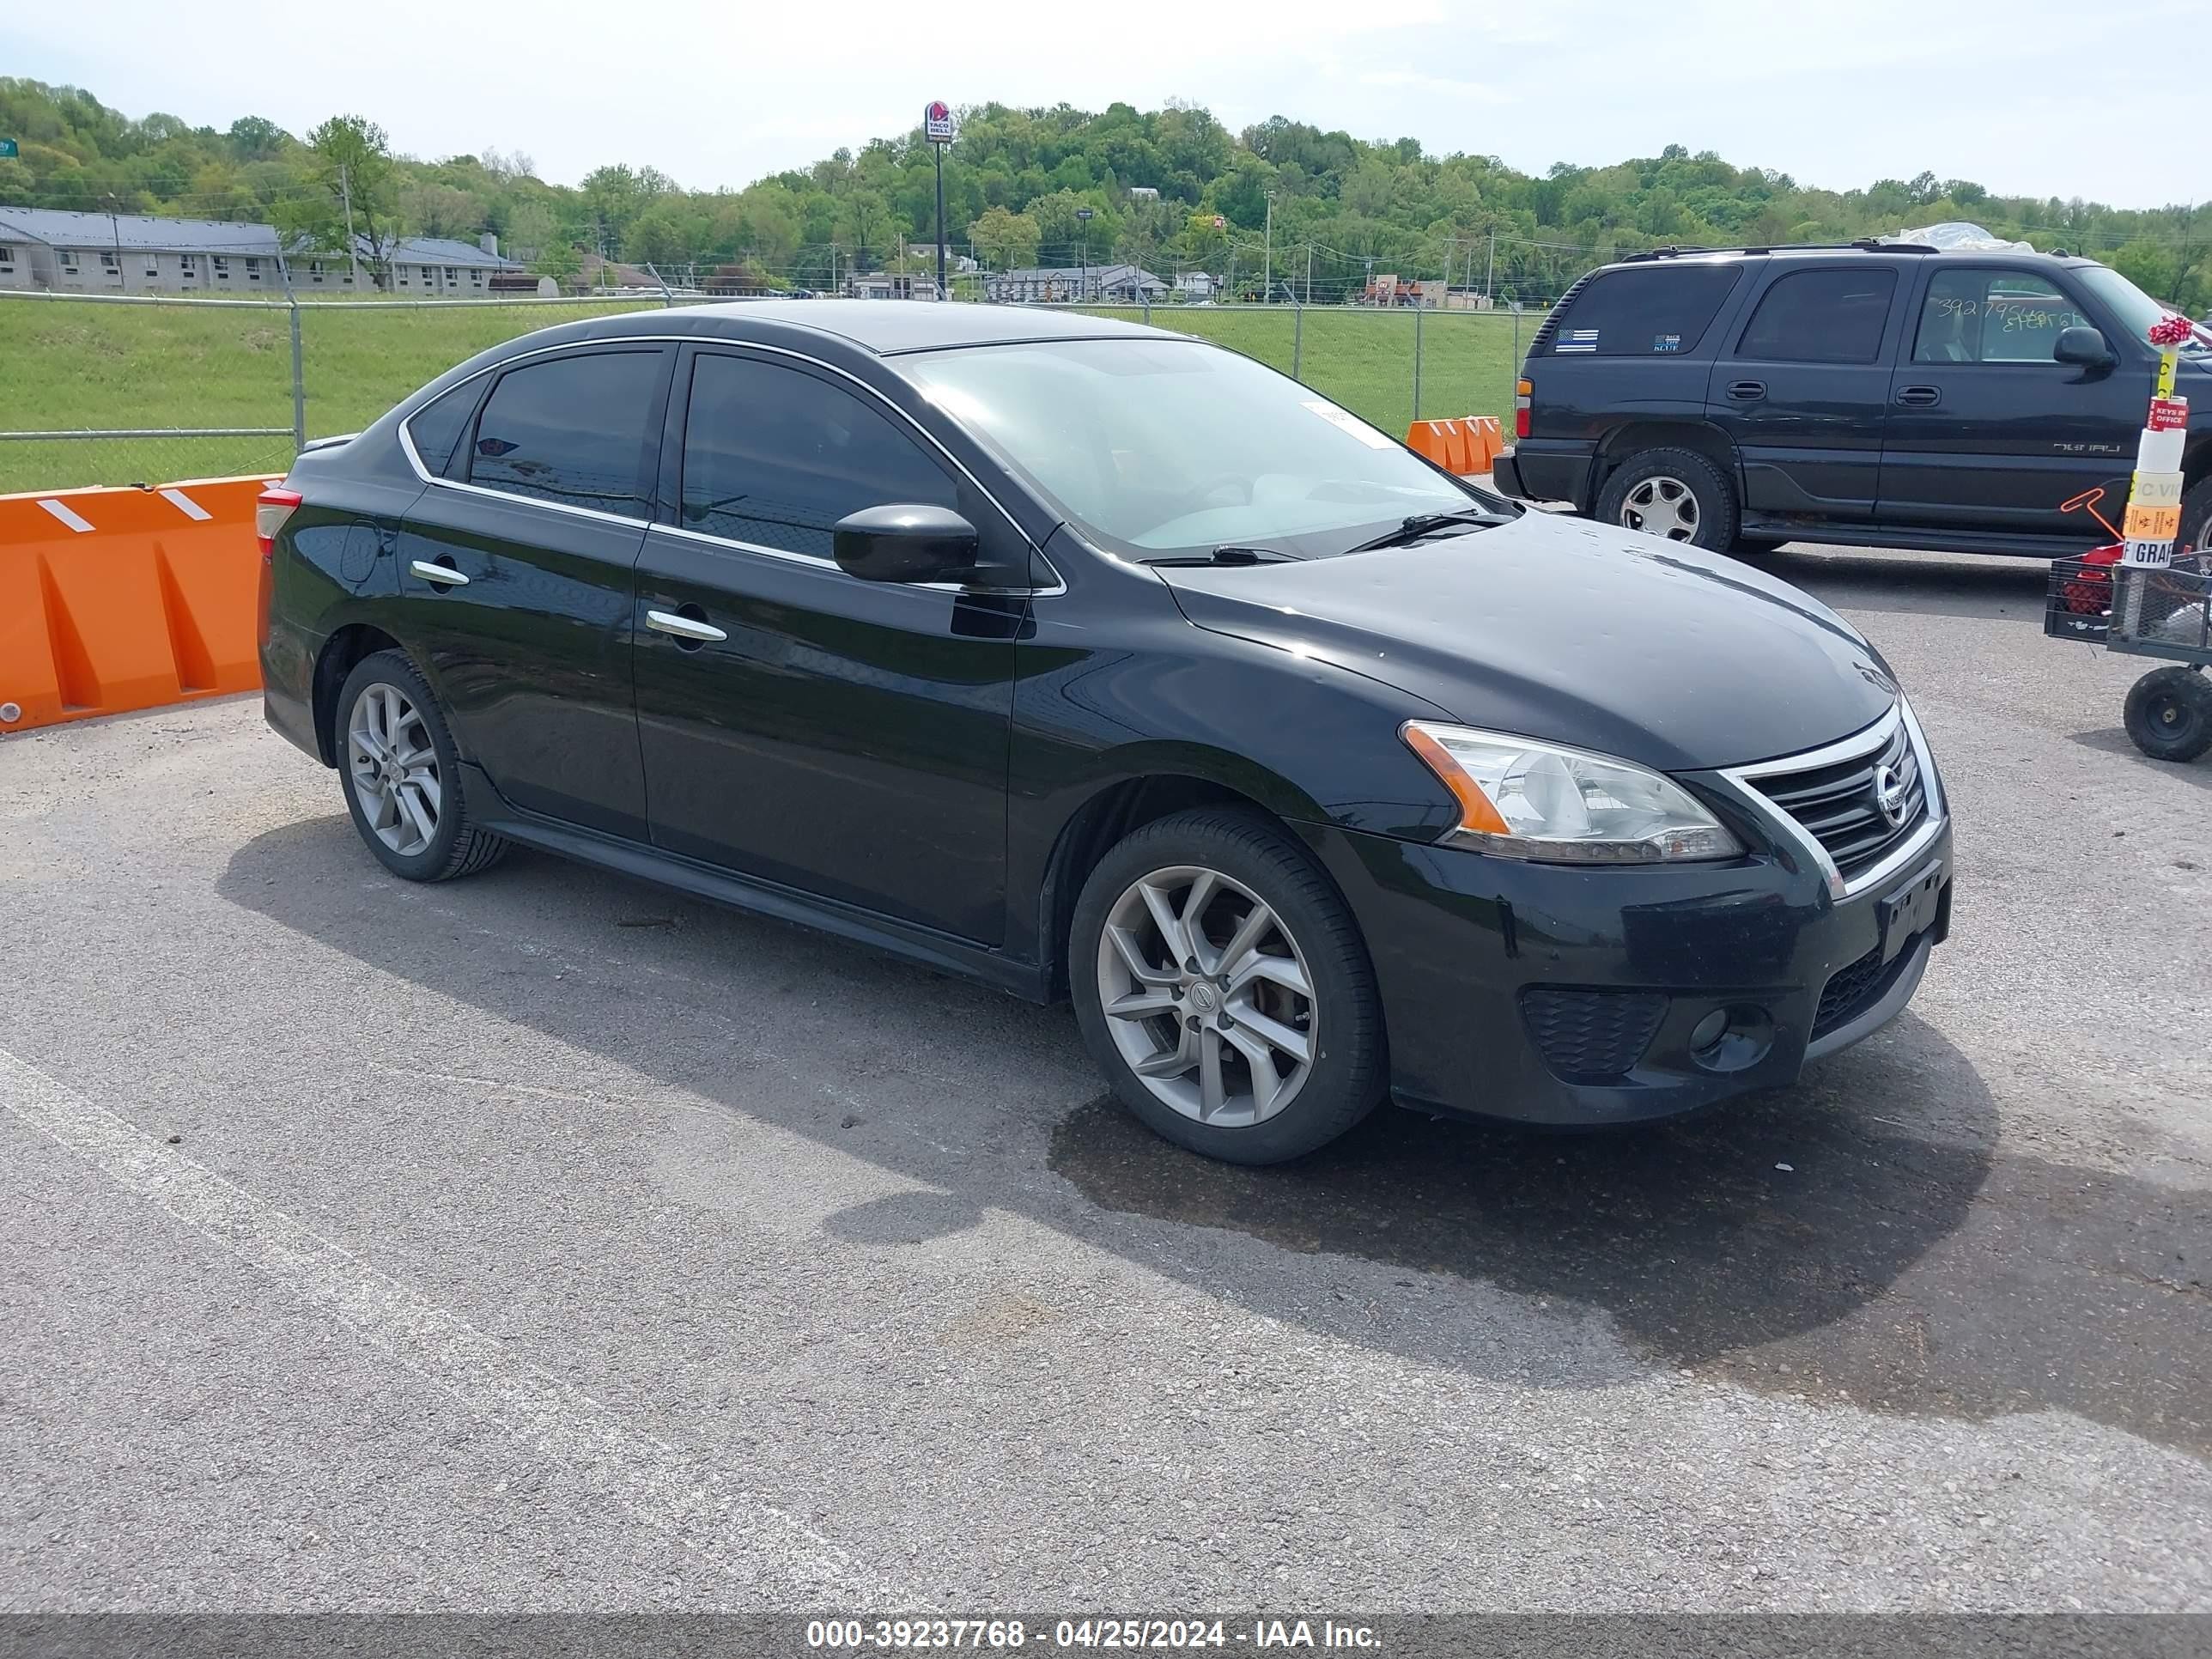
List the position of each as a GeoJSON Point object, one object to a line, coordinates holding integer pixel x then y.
{"type": "Point", "coordinates": [1892, 795]}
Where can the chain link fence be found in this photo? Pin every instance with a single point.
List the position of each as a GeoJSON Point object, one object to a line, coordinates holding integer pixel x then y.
{"type": "Point", "coordinates": [1391, 365]}
{"type": "Point", "coordinates": [145, 390]}
{"type": "Point", "coordinates": [105, 390]}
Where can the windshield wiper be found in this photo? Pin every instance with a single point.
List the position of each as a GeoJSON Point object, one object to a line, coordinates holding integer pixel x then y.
{"type": "Point", "coordinates": [1229, 553]}
{"type": "Point", "coordinates": [1423, 525]}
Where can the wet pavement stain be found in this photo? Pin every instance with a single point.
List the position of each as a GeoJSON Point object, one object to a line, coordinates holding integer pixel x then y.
{"type": "Point", "coordinates": [1897, 1272]}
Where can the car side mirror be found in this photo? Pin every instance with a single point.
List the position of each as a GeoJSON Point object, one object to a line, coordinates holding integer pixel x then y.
{"type": "Point", "coordinates": [905, 543]}
{"type": "Point", "coordinates": [2084, 347]}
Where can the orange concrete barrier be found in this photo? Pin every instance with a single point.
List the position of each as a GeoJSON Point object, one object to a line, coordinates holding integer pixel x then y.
{"type": "Point", "coordinates": [1486, 439]}
{"type": "Point", "coordinates": [114, 600]}
{"type": "Point", "coordinates": [1442, 441]}
{"type": "Point", "coordinates": [1467, 445]}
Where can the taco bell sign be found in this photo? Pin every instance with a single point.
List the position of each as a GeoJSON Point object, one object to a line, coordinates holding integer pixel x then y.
{"type": "Point", "coordinates": [936, 122]}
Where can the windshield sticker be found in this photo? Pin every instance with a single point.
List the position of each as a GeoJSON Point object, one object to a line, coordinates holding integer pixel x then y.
{"type": "Point", "coordinates": [1350, 422]}
{"type": "Point", "coordinates": [1666, 343]}
{"type": "Point", "coordinates": [1577, 339]}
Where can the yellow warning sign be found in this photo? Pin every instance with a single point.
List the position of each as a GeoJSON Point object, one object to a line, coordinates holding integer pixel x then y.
{"type": "Point", "coordinates": [2151, 524]}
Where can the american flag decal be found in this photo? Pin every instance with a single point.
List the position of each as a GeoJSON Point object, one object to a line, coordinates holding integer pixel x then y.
{"type": "Point", "coordinates": [1577, 339]}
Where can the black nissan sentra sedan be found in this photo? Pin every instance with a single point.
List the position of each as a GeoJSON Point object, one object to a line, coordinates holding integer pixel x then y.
{"type": "Point", "coordinates": [1089, 660]}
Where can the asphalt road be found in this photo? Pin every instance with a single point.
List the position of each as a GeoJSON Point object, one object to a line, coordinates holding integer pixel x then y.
{"type": "Point", "coordinates": [546, 1241]}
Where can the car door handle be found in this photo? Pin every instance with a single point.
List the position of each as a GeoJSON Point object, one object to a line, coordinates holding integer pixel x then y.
{"type": "Point", "coordinates": [1746, 391]}
{"type": "Point", "coordinates": [685, 628]}
{"type": "Point", "coordinates": [1920, 397]}
{"type": "Point", "coordinates": [444, 575]}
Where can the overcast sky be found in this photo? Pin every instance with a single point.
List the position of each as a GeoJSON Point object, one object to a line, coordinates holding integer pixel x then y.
{"type": "Point", "coordinates": [2031, 96]}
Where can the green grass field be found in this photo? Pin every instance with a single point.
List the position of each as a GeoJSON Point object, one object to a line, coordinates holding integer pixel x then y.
{"type": "Point", "coordinates": [1363, 358]}
{"type": "Point", "coordinates": [75, 366]}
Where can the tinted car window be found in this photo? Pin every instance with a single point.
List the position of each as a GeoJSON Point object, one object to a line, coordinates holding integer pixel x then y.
{"type": "Point", "coordinates": [774, 457]}
{"type": "Point", "coordinates": [1822, 316]}
{"type": "Point", "coordinates": [1992, 317]}
{"type": "Point", "coordinates": [1634, 313]}
{"type": "Point", "coordinates": [435, 428]}
{"type": "Point", "coordinates": [572, 430]}
{"type": "Point", "coordinates": [1166, 447]}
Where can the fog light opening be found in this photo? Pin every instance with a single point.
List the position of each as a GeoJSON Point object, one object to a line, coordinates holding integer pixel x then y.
{"type": "Point", "coordinates": [1732, 1039]}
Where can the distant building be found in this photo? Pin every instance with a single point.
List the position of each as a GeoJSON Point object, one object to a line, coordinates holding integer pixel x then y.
{"type": "Point", "coordinates": [1094, 285]}
{"type": "Point", "coordinates": [441, 268]}
{"type": "Point", "coordinates": [1195, 284]}
{"type": "Point", "coordinates": [64, 253]}
{"type": "Point", "coordinates": [891, 285]}
{"type": "Point", "coordinates": [1144, 193]}
{"type": "Point", "coordinates": [56, 251]}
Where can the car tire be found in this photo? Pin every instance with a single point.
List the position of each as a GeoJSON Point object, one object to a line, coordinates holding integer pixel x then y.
{"type": "Point", "coordinates": [1244, 999]}
{"type": "Point", "coordinates": [2197, 518]}
{"type": "Point", "coordinates": [2169, 714]}
{"type": "Point", "coordinates": [1676, 494]}
{"type": "Point", "coordinates": [401, 774]}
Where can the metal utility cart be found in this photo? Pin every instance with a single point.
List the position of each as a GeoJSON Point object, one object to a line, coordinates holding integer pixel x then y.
{"type": "Point", "coordinates": [2146, 612]}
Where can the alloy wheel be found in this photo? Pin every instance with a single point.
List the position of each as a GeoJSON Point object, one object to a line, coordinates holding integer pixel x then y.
{"type": "Point", "coordinates": [1662, 507]}
{"type": "Point", "coordinates": [1207, 997]}
{"type": "Point", "coordinates": [393, 765]}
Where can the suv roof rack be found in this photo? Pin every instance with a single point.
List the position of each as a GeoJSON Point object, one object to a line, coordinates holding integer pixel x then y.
{"type": "Point", "coordinates": [1865, 244]}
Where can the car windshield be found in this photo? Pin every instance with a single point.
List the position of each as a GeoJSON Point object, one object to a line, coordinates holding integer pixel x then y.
{"type": "Point", "coordinates": [1161, 449]}
{"type": "Point", "coordinates": [2137, 311]}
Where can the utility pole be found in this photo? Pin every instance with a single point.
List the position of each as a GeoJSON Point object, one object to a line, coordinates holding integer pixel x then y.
{"type": "Point", "coordinates": [115, 233]}
{"type": "Point", "coordinates": [1490, 267]}
{"type": "Point", "coordinates": [1268, 272]}
{"type": "Point", "coordinates": [1309, 273]}
{"type": "Point", "coordinates": [353, 250]}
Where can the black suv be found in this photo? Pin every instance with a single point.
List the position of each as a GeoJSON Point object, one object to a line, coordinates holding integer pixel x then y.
{"type": "Point", "coordinates": [1866, 394]}
{"type": "Point", "coordinates": [1086, 661]}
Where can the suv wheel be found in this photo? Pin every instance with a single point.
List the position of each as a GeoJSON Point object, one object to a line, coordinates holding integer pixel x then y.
{"type": "Point", "coordinates": [2197, 518]}
{"type": "Point", "coordinates": [402, 775]}
{"type": "Point", "coordinates": [1674, 494]}
{"type": "Point", "coordinates": [1225, 989]}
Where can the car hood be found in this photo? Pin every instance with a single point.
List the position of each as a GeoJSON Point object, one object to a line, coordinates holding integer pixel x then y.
{"type": "Point", "coordinates": [1557, 628]}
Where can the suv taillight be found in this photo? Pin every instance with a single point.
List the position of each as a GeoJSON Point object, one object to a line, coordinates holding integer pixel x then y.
{"type": "Point", "coordinates": [274, 505]}
{"type": "Point", "coordinates": [1522, 390]}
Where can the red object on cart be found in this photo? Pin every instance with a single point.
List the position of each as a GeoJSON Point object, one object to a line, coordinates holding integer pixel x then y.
{"type": "Point", "coordinates": [2091, 594]}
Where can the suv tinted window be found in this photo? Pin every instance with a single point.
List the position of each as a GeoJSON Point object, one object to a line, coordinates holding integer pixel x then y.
{"type": "Point", "coordinates": [572, 430]}
{"type": "Point", "coordinates": [435, 428]}
{"type": "Point", "coordinates": [1822, 316]}
{"type": "Point", "coordinates": [1634, 313]}
{"type": "Point", "coordinates": [774, 457]}
{"type": "Point", "coordinates": [1992, 317]}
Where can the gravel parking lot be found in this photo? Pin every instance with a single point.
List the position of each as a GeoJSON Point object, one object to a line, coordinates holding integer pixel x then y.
{"type": "Point", "coordinates": [546, 1241]}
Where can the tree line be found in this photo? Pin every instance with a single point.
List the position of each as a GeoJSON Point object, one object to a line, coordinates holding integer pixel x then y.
{"type": "Point", "coordinates": [1283, 204]}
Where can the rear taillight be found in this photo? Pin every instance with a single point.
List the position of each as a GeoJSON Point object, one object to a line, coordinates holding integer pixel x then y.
{"type": "Point", "coordinates": [271, 509]}
{"type": "Point", "coordinates": [1522, 390]}
{"type": "Point", "coordinates": [274, 505]}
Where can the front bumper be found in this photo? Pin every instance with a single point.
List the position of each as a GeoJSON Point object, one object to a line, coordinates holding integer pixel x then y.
{"type": "Point", "coordinates": [1549, 994]}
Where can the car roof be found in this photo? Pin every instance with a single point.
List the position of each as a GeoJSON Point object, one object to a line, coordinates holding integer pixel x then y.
{"type": "Point", "coordinates": [885, 327]}
{"type": "Point", "coordinates": [1665, 256]}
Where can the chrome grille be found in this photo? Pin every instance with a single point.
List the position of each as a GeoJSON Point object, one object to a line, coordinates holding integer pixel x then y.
{"type": "Point", "coordinates": [1840, 803]}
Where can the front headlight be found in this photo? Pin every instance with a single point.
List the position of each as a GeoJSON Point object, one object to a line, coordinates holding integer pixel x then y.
{"type": "Point", "coordinates": [1520, 799]}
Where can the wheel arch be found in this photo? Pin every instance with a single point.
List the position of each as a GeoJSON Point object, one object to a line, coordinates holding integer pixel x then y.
{"type": "Point", "coordinates": [1117, 806]}
{"type": "Point", "coordinates": [1632, 438]}
{"type": "Point", "coordinates": [345, 648]}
